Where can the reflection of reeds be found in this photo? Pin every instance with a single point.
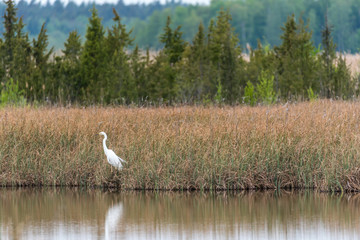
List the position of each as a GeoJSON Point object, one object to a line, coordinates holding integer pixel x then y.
{"type": "Point", "coordinates": [313, 145]}
{"type": "Point", "coordinates": [180, 211]}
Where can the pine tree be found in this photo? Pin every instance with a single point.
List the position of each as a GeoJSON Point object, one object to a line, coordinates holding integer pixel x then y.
{"type": "Point", "coordinates": [296, 60]}
{"type": "Point", "coordinates": [328, 59]}
{"type": "Point", "coordinates": [10, 24]}
{"type": "Point", "coordinates": [167, 37]}
{"type": "Point", "coordinates": [164, 82]}
{"type": "Point", "coordinates": [73, 47]}
{"type": "Point", "coordinates": [193, 69]}
{"type": "Point", "coordinates": [261, 59]}
{"type": "Point", "coordinates": [41, 57]}
{"type": "Point", "coordinates": [120, 85]}
{"type": "Point", "coordinates": [118, 38]}
{"type": "Point", "coordinates": [70, 79]}
{"type": "Point", "coordinates": [93, 60]}
{"type": "Point", "coordinates": [174, 45]}
{"type": "Point", "coordinates": [22, 64]}
{"type": "Point", "coordinates": [343, 85]}
{"type": "Point", "coordinates": [137, 65]}
{"type": "Point", "coordinates": [225, 55]}
{"type": "Point", "coordinates": [162, 85]}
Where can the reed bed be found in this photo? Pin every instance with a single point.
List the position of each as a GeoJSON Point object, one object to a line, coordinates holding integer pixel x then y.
{"type": "Point", "coordinates": [304, 145]}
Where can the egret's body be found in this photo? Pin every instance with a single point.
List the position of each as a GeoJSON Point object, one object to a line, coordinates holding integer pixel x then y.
{"type": "Point", "coordinates": [112, 158]}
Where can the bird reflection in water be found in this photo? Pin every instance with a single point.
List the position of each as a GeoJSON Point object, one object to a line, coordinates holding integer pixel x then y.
{"type": "Point", "coordinates": [113, 217]}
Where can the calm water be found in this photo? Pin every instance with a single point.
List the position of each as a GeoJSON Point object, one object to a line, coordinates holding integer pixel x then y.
{"type": "Point", "coordinates": [95, 214]}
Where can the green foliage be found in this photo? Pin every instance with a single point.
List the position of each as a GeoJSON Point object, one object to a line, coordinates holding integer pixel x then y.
{"type": "Point", "coordinates": [69, 75]}
{"type": "Point", "coordinates": [311, 95]}
{"type": "Point", "coordinates": [93, 60]}
{"type": "Point", "coordinates": [138, 69]}
{"type": "Point", "coordinates": [41, 61]}
{"type": "Point", "coordinates": [261, 59]}
{"type": "Point", "coordinates": [119, 85]}
{"type": "Point", "coordinates": [219, 93]}
{"type": "Point", "coordinates": [342, 79]}
{"type": "Point", "coordinates": [253, 20]}
{"type": "Point", "coordinates": [174, 45]}
{"type": "Point", "coordinates": [225, 56]}
{"type": "Point", "coordinates": [265, 88]}
{"type": "Point", "coordinates": [250, 94]}
{"type": "Point", "coordinates": [10, 24]}
{"type": "Point", "coordinates": [108, 69]}
{"type": "Point", "coordinates": [296, 64]}
{"type": "Point", "coordinates": [328, 59]}
{"type": "Point", "coordinates": [11, 95]}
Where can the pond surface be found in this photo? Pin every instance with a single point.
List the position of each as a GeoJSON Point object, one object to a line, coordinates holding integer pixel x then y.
{"type": "Point", "coordinates": [94, 214]}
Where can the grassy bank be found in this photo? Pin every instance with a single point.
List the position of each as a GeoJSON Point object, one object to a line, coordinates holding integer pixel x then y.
{"type": "Point", "coordinates": [307, 145]}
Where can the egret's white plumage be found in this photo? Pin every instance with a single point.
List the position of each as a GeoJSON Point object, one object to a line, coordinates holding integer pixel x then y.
{"type": "Point", "coordinates": [112, 158]}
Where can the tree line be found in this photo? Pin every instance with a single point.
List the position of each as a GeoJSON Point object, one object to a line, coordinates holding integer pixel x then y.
{"type": "Point", "coordinates": [108, 68]}
{"type": "Point", "coordinates": [252, 19]}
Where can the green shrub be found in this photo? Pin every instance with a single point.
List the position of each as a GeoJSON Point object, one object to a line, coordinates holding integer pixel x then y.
{"type": "Point", "coordinates": [250, 94]}
{"type": "Point", "coordinates": [11, 95]}
{"type": "Point", "coordinates": [311, 95]}
{"type": "Point", "coordinates": [265, 89]}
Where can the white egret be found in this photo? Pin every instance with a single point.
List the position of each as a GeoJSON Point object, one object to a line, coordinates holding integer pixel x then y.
{"type": "Point", "coordinates": [112, 158]}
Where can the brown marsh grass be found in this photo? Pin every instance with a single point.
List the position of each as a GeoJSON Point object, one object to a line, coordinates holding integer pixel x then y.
{"type": "Point", "coordinates": [305, 145]}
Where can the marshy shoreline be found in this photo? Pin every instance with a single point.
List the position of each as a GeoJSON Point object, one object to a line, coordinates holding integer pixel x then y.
{"type": "Point", "coordinates": [310, 145]}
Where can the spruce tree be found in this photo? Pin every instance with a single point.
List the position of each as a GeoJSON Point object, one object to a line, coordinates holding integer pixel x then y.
{"type": "Point", "coordinates": [120, 85]}
{"type": "Point", "coordinates": [137, 66]}
{"type": "Point", "coordinates": [225, 54]}
{"type": "Point", "coordinates": [41, 57]}
{"type": "Point", "coordinates": [70, 78]}
{"type": "Point", "coordinates": [162, 85]}
{"type": "Point", "coordinates": [193, 69]}
{"type": "Point", "coordinates": [164, 82]}
{"type": "Point", "coordinates": [296, 62]}
{"type": "Point", "coordinates": [10, 24]}
{"type": "Point", "coordinates": [93, 60]}
{"type": "Point", "coordinates": [328, 59]}
{"type": "Point", "coordinates": [343, 85]}
{"type": "Point", "coordinates": [22, 64]}
{"type": "Point", "coordinates": [261, 59]}
{"type": "Point", "coordinates": [174, 45]}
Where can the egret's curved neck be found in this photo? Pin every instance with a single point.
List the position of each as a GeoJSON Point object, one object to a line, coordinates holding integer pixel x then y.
{"type": "Point", "coordinates": [104, 143]}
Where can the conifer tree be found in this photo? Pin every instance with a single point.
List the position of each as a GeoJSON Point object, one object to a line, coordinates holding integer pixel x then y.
{"type": "Point", "coordinates": [193, 69]}
{"type": "Point", "coordinates": [41, 57]}
{"type": "Point", "coordinates": [164, 84]}
{"type": "Point", "coordinates": [328, 59]}
{"type": "Point", "coordinates": [343, 85]}
{"type": "Point", "coordinates": [70, 78]}
{"type": "Point", "coordinates": [93, 60]}
{"type": "Point", "coordinates": [10, 24]}
{"type": "Point", "coordinates": [261, 59]}
{"type": "Point", "coordinates": [137, 65]}
{"type": "Point", "coordinates": [296, 62]}
{"type": "Point", "coordinates": [22, 63]}
{"type": "Point", "coordinates": [174, 45]}
{"type": "Point", "coordinates": [119, 82]}
{"type": "Point", "coordinates": [225, 54]}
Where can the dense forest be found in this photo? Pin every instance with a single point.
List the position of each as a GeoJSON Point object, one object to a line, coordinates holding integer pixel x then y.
{"type": "Point", "coordinates": [251, 19]}
{"type": "Point", "coordinates": [108, 67]}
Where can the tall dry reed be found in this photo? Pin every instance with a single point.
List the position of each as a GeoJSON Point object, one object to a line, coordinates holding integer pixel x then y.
{"type": "Point", "coordinates": [306, 145]}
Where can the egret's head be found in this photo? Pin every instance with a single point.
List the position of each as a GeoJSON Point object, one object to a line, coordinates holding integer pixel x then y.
{"type": "Point", "coordinates": [102, 133]}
